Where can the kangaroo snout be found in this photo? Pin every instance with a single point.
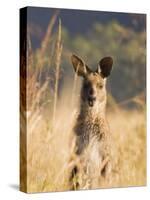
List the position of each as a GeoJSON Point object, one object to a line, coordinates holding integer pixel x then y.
{"type": "Point", "coordinates": [91, 92]}
{"type": "Point", "coordinates": [91, 101]}
{"type": "Point", "coordinates": [91, 97]}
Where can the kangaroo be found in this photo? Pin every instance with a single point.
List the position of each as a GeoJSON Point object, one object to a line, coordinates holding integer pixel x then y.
{"type": "Point", "coordinates": [92, 146]}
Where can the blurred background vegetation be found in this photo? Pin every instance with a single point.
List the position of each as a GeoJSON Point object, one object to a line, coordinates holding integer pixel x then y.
{"type": "Point", "coordinates": [93, 35]}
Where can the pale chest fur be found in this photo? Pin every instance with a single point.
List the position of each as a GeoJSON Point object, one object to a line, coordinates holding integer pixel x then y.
{"type": "Point", "coordinates": [92, 145]}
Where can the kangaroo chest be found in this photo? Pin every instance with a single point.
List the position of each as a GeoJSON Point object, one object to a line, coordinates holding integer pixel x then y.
{"type": "Point", "coordinates": [91, 133]}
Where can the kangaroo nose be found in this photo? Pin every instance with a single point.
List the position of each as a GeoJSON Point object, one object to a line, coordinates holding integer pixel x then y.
{"type": "Point", "coordinates": [91, 91]}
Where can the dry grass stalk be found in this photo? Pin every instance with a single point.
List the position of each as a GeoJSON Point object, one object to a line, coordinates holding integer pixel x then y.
{"type": "Point", "coordinates": [47, 37]}
{"type": "Point", "coordinates": [29, 50]}
{"type": "Point", "coordinates": [45, 43]}
{"type": "Point", "coordinates": [58, 59]}
{"type": "Point", "coordinates": [74, 87]}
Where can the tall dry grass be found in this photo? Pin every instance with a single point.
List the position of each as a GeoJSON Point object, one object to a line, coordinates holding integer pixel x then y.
{"type": "Point", "coordinates": [50, 119]}
{"type": "Point", "coordinates": [58, 60]}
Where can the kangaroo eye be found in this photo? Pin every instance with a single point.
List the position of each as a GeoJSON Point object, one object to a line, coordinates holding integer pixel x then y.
{"type": "Point", "coordinates": [100, 86]}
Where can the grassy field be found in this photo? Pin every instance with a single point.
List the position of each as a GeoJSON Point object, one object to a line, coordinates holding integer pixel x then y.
{"type": "Point", "coordinates": [49, 148]}
{"type": "Point", "coordinates": [51, 117]}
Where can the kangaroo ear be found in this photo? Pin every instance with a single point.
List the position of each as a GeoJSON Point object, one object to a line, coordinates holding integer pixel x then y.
{"type": "Point", "coordinates": [105, 66]}
{"type": "Point", "coordinates": [79, 66]}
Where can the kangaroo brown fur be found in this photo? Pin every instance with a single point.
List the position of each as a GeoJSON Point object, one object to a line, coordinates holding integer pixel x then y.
{"type": "Point", "coordinates": [91, 129]}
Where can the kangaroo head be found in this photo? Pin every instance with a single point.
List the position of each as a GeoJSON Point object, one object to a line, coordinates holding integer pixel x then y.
{"type": "Point", "coordinates": [94, 82]}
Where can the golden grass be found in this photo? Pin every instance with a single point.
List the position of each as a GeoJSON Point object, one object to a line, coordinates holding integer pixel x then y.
{"type": "Point", "coordinates": [128, 130]}
{"type": "Point", "coordinates": [49, 131]}
{"type": "Point", "coordinates": [49, 149]}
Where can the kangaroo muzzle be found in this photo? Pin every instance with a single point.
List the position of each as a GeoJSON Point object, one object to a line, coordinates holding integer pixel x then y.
{"type": "Point", "coordinates": [91, 101]}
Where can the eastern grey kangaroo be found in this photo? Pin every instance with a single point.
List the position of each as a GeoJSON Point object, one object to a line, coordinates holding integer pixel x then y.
{"type": "Point", "coordinates": [91, 130]}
